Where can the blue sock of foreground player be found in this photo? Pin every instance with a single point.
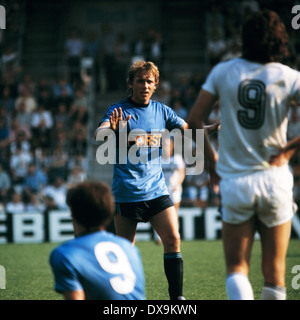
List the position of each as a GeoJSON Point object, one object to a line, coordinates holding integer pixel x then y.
{"type": "Point", "coordinates": [173, 265]}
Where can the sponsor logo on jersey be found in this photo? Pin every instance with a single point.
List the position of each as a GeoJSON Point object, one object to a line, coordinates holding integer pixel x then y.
{"type": "Point", "coordinates": [145, 140]}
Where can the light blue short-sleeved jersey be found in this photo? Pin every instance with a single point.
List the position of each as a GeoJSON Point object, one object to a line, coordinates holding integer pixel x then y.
{"type": "Point", "coordinates": [104, 266]}
{"type": "Point", "coordinates": [144, 180]}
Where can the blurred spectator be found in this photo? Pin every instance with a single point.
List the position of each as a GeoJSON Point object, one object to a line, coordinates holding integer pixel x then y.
{"type": "Point", "coordinates": [63, 88]}
{"type": "Point", "coordinates": [121, 60]}
{"type": "Point", "coordinates": [92, 50]}
{"type": "Point", "coordinates": [41, 125]}
{"type": "Point", "coordinates": [173, 168]}
{"type": "Point", "coordinates": [76, 176]}
{"type": "Point", "coordinates": [180, 88]}
{"type": "Point", "coordinates": [179, 109]}
{"type": "Point", "coordinates": [16, 128]}
{"type": "Point", "coordinates": [163, 92]}
{"type": "Point", "coordinates": [233, 19]}
{"type": "Point", "coordinates": [6, 116]}
{"type": "Point", "coordinates": [249, 6]}
{"type": "Point", "coordinates": [78, 160]}
{"type": "Point", "coordinates": [92, 46]}
{"type": "Point", "coordinates": [54, 195]}
{"type": "Point", "coordinates": [214, 19]}
{"type": "Point", "coordinates": [154, 47]}
{"type": "Point", "coordinates": [196, 81]}
{"type": "Point", "coordinates": [233, 50]}
{"type": "Point", "coordinates": [61, 116]}
{"type": "Point", "coordinates": [6, 100]}
{"type": "Point", "coordinates": [78, 138]}
{"type": "Point", "coordinates": [34, 182]}
{"type": "Point", "coordinates": [9, 57]}
{"type": "Point", "coordinates": [65, 99]}
{"type": "Point", "coordinates": [191, 96]}
{"type": "Point", "coordinates": [43, 85]}
{"type": "Point", "coordinates": [46, 99]}
{"type": "Point", "coordinates": [138, 47]}
{"type": "Point", "coordinates": [15, 205]}
{"type": "Point", "coordinates": [80, 98]}
{"type": "Point", "coordinates": [74, 48]}
{"type": "Point", "coordinates": [4, 138]}
{"type": "Point", "coordinates": [5, 185]}
{"type": "Point", "coordinates": [107, 48]}
{"type": "Point", "coordinates": [216, 47]}
{"type": "Point", "coordinates": [10, 77]}
{"type": "Point", "coordinates": [41, 118]}
{"type": "Point", "coordinates": [23, 116]}
{"type": "Point", "coordinates": [59, 136]}
{"type": "Point", "coordinates": [42, 159]}
{"type": "Point", "coordinates": [19, 135]}
{"type": "Point", "coordinates": [80, 115]}
{"type": "Point", "coordinates": [196, 190]}
{"type": "Point", "coordinates": [19, 165]}
{"type": "Point", "coordinates": [27, 98]}
{"type": "Point", "coordinates": [58, 164]}
{"type": "Point", "coordinates": [27, 83]}
{"type": "Point", "coordinates": [35, 204]}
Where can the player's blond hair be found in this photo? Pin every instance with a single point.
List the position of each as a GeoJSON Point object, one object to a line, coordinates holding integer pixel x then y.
{"type": "Point", "coordinates": [141, 66]}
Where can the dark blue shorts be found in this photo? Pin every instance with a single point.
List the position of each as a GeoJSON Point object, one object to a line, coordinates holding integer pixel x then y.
{"type": "Point", "coordinates": [142, 211]}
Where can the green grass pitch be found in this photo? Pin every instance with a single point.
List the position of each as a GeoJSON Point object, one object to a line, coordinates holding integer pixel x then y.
{"type": "Point", "coordinates": [28, 274]}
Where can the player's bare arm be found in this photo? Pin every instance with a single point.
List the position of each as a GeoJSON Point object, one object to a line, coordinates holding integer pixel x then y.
{"type": "Point", "coordinates": [213, 128]}
{"type": "Point", "coordinates": [285, 154]}
{"type": "Point", "coordinates": [74, 295]}
{"type": "Point", "coordinates": [200, 111]}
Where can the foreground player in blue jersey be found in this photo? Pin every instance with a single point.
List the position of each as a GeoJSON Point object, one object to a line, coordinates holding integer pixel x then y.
{"type": "Point", "coordinates": [96, 265]}
{"type": "Point", "coordinates": [140, 191]}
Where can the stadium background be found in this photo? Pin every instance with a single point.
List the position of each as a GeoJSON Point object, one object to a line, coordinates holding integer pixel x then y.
{"type": "Point", "coordinates": [51, 98]}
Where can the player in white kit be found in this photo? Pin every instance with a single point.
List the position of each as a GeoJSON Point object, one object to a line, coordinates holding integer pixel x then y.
{"type": "Point", "coordinates": [251, 167]}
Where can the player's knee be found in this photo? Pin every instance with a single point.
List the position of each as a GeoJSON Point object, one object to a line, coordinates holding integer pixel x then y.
{"type": "Point", "coordinates": [274, 273]}
{"type": "Point", "coordinates": [171, 242]}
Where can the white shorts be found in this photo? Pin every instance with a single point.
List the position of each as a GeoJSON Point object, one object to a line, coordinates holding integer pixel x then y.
{"type": "Point", "coordinates": [268, 194]}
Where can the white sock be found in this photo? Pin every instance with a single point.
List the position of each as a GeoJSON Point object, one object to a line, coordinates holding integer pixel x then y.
{"type": "Point", "coordinates": [271, 292]}
{"type": "Point", "coordinates": [238, 287]}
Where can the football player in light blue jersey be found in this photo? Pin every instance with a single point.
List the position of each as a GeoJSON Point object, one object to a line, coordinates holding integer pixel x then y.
{"type": "Point", "coordinates": [139, 189]}
{"type": "Point", "coordinates": [96, 265]}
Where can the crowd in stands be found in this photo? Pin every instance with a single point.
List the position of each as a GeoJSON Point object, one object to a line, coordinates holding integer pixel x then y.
{"type": "Point", "coordinates": [43, 131]}
{"type": "Point", "coordinates": [43, 123]}
{"type": "Point", "coordinates": [43, 142]}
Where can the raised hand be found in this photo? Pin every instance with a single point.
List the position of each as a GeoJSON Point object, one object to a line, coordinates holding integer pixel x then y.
{"type": "Point", "coordinates": [115, 119]}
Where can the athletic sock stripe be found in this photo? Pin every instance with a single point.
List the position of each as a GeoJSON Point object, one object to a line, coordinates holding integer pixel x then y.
{"type": "Point", "coordinates": [272, 286]}
{"type": "Point", "coordinates": [172, 255]}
